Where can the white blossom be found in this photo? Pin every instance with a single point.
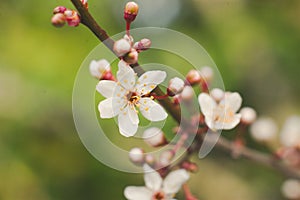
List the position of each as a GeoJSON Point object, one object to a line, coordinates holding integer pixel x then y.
{"type": "Point", "coordinates": [217, 94]}
{"type": "Point", "coordinates": [290, 134]}
{"type": "Point", "coordinates": [206, 73]}
{"type": "Point", "coordinates": [221, 115]}
{"type": "Point", "coordinates": [126, 94]}
{"type": "Point", "coordinates": [155, 187]}
{"type": "Point", "coordinates": [136, 155]}
{"type": "Point", "coordinates": [264, 129]}
{"type": "Point", "coordinates": [291, 189]}
{"type": "Point", "coordinates": [99, 68]}
{"type": "Point", "coordinates": [122, 46]}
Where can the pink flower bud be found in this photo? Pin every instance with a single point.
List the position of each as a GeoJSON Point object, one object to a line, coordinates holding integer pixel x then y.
{"type": "Point", "coordinates": [122, 47]}
{"type": "Point", "coordinates": [136, 155]}
{"type": "Point", "coordinates": [59, 9]}
{"type": "Point", "coordinates": [154, 137]}
{"type": "Point", "coordinates": [176, 86]}
{"type": "Point", "coordinates": [150, 160]}
{"type": "Point", "coordinates": [193, 77]}
{"type": "Point", "coordinates": [130, 12]}
{"type": "Point", "coordinates": [131, 57]}
{"type": "Point", "coordinates": [85, 3]}
{"type": "Point", "coordinates": [217, 94]}
{"type": "Point", "coordinates": [187, 93]}
{"type": "Point", "coordinates": [142, 45]}
{"type": "Point", "coordinates": [58, 20]}
{"type": "Point", "coordinates": [129, 39]}
{"type": "Point", "coordinates": [206, 73]}
{"type": "Point", "coordinates": [248, 115]}
{"type": "Point", "coordinates": [166, 157]}
{"type": "Point", "coordinates": [189, 166]}
{"type": "Point", "coordinates": [72, 18]}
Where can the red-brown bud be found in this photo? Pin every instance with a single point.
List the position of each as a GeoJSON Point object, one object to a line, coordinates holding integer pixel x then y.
{"type": "Point", "coordinates": [58, 20]}
{"type": "Point", "coordinates": [130, 12]}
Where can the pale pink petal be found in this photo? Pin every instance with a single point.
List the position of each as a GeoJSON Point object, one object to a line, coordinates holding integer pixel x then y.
{"type": "Point", "coordinates": [106, 88]}
{"type": "Point", "coordinates": [126, 127]}
{"type": "Point", "coordinates": [207, 104]}
{"type": "Point", "coordinates": [137, 193]}
{"type": "Point", "coordinates": [174, 181]}
{"type": "Point", "coordinates": [126, 75]}
{"type": "Point", "coordinates": [149, 80]}
{"type": "Point", "coordinates": [234, 101]}
{"type": "Point", "coordinates": [152, 179]}
{"type": "Point", "coordinates": [152, 110]}
{"type": "Point", "coordinates": [111, 107]}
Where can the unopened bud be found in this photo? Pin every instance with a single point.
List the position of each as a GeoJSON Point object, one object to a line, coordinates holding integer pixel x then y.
{"type": "Point", "coordinates": [150, 160]}
{"type": "Point", "coordinates": [130, 12]}
{"type": "Point", "coordinates": [176, 86]}
{"type": "Point", "coordinates": [122, 47]}
{"type": "Point", "coordinates": [100, 69]}
{"type": "Point", "coordinates": [136, 155]}
{"type": "Point", "coordinates": [248, 115]}
{"type": "Point", "coordinates": [187, 93]}
{"type": "Point", "coordinates": [206, 73]}
{"type": "Point", "coordinates": [264, 130]}
{"type": "Point", "coordinates": [58, 20]}
{"type": "Point", "coordinates": [129, 39]}
{"type": "Point", "coordinates": [193, 77]}
{"type": "Point", "coordinates": [217, 94]}
{"type": "Point", "coordinates": [189, 166]}
{"type": "Point", "coordinates": [142, 45]}
{"type": "Point", "coordinates": [132, 57]}
{"type": "Point", "coordinates": [59, 9]}
{"type": "Point", "coordinates": [85, 3]}
{"type": "Point", "coordinates": [290, 133]}
{"type": "Point", "coordinates": [291, 189]}
{"type": "Point", "coordinates": [166, 157]}
{"type": "Point", "coordinates": [72, 18]}
{"type": "Point", "coordinates": [154, 137]}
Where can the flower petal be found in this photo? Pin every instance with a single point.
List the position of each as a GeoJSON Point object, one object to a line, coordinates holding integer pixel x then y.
{"type": "Point", "coordinates": [234, 101]}
{"type": "Point", "coordinates": [152, 179]}
{"type": "Point", "coordinates": [126, 75]}
{"type": "Point", "coordinates": [152, 110]}
{"type": "Point", "coordinates": [174, 181]}
{"type": "Point", "coordinates": [133, 114]}
{"type": "Point", "coordinates": [149, 80]}
{"type": "Point", "coordinates": [233, 122]}
{"type": "Point", "coordinates": [106, 88]}
{"type": "Point", "coordinates": [207, 104]}
{"type": "Point", "coordinates": [111, 107]}
{"type": "Point", "coordinates": [126, 127]}
{"type": "Point", "coordinates": [137, 193]}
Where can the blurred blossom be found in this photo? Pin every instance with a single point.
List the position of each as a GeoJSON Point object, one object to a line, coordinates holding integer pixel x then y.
{"type": "Point", "coordinates": [157, 188]}
{"type": "Point", "coordinates": [264, 130]}
{"type": "Point", "coordinates": [154, 137]}
{"type": "Point", "coordinates": [136, 155]}
{"type": "Point", "coordinates": [291, 189]}
{"type": "Point", "coordinates": [217, 94]}
{"type": "Point", "coordinates": [248, 115]}
{"type": "Point", "coordinates": [221, 115]}
{"type": "Point", "coordinates": [290, 134]}
{"type": "Point", "coordinates": [98, 69]}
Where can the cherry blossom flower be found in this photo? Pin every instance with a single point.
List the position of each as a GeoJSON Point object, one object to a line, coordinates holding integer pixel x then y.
{"type": "Point", "coordinates": [156, 188]}
{"type": "Point", "coordinates": [100, 69]}
{"type": "Point", "coordinates": [264, 130]}
{"type": "Point", "coordinates": [126, 94]}
{"type": "Point", "coordinates": [290, 134]}
{"type": "Point", "coordinates": [221, 115]}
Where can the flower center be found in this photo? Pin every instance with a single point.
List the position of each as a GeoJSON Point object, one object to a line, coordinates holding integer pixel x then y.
{"type": "Point", "coordinates": [133, 97]}
{"type": "Point", "coordinates": [223, 115]}
{"type": "Point", "coordinates": [159, 196]}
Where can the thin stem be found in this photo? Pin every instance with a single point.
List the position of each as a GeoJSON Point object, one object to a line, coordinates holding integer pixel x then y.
{"type": "Point", "coordinates": [222, 143]}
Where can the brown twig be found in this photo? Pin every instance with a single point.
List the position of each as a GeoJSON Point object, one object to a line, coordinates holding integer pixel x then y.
{"type": "Point", "coordinates": [222, 143]}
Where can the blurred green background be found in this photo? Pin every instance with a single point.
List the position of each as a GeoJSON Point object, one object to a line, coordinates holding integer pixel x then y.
{"type": "Point", "coordinates": [255, 44]}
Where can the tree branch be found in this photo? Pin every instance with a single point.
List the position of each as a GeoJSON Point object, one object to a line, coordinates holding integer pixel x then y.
{"type": "Point", "coordinates": [222, 143]}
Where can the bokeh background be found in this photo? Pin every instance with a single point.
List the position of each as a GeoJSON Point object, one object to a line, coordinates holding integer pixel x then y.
{"type": "Point", "coordinates": [255, 44]}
